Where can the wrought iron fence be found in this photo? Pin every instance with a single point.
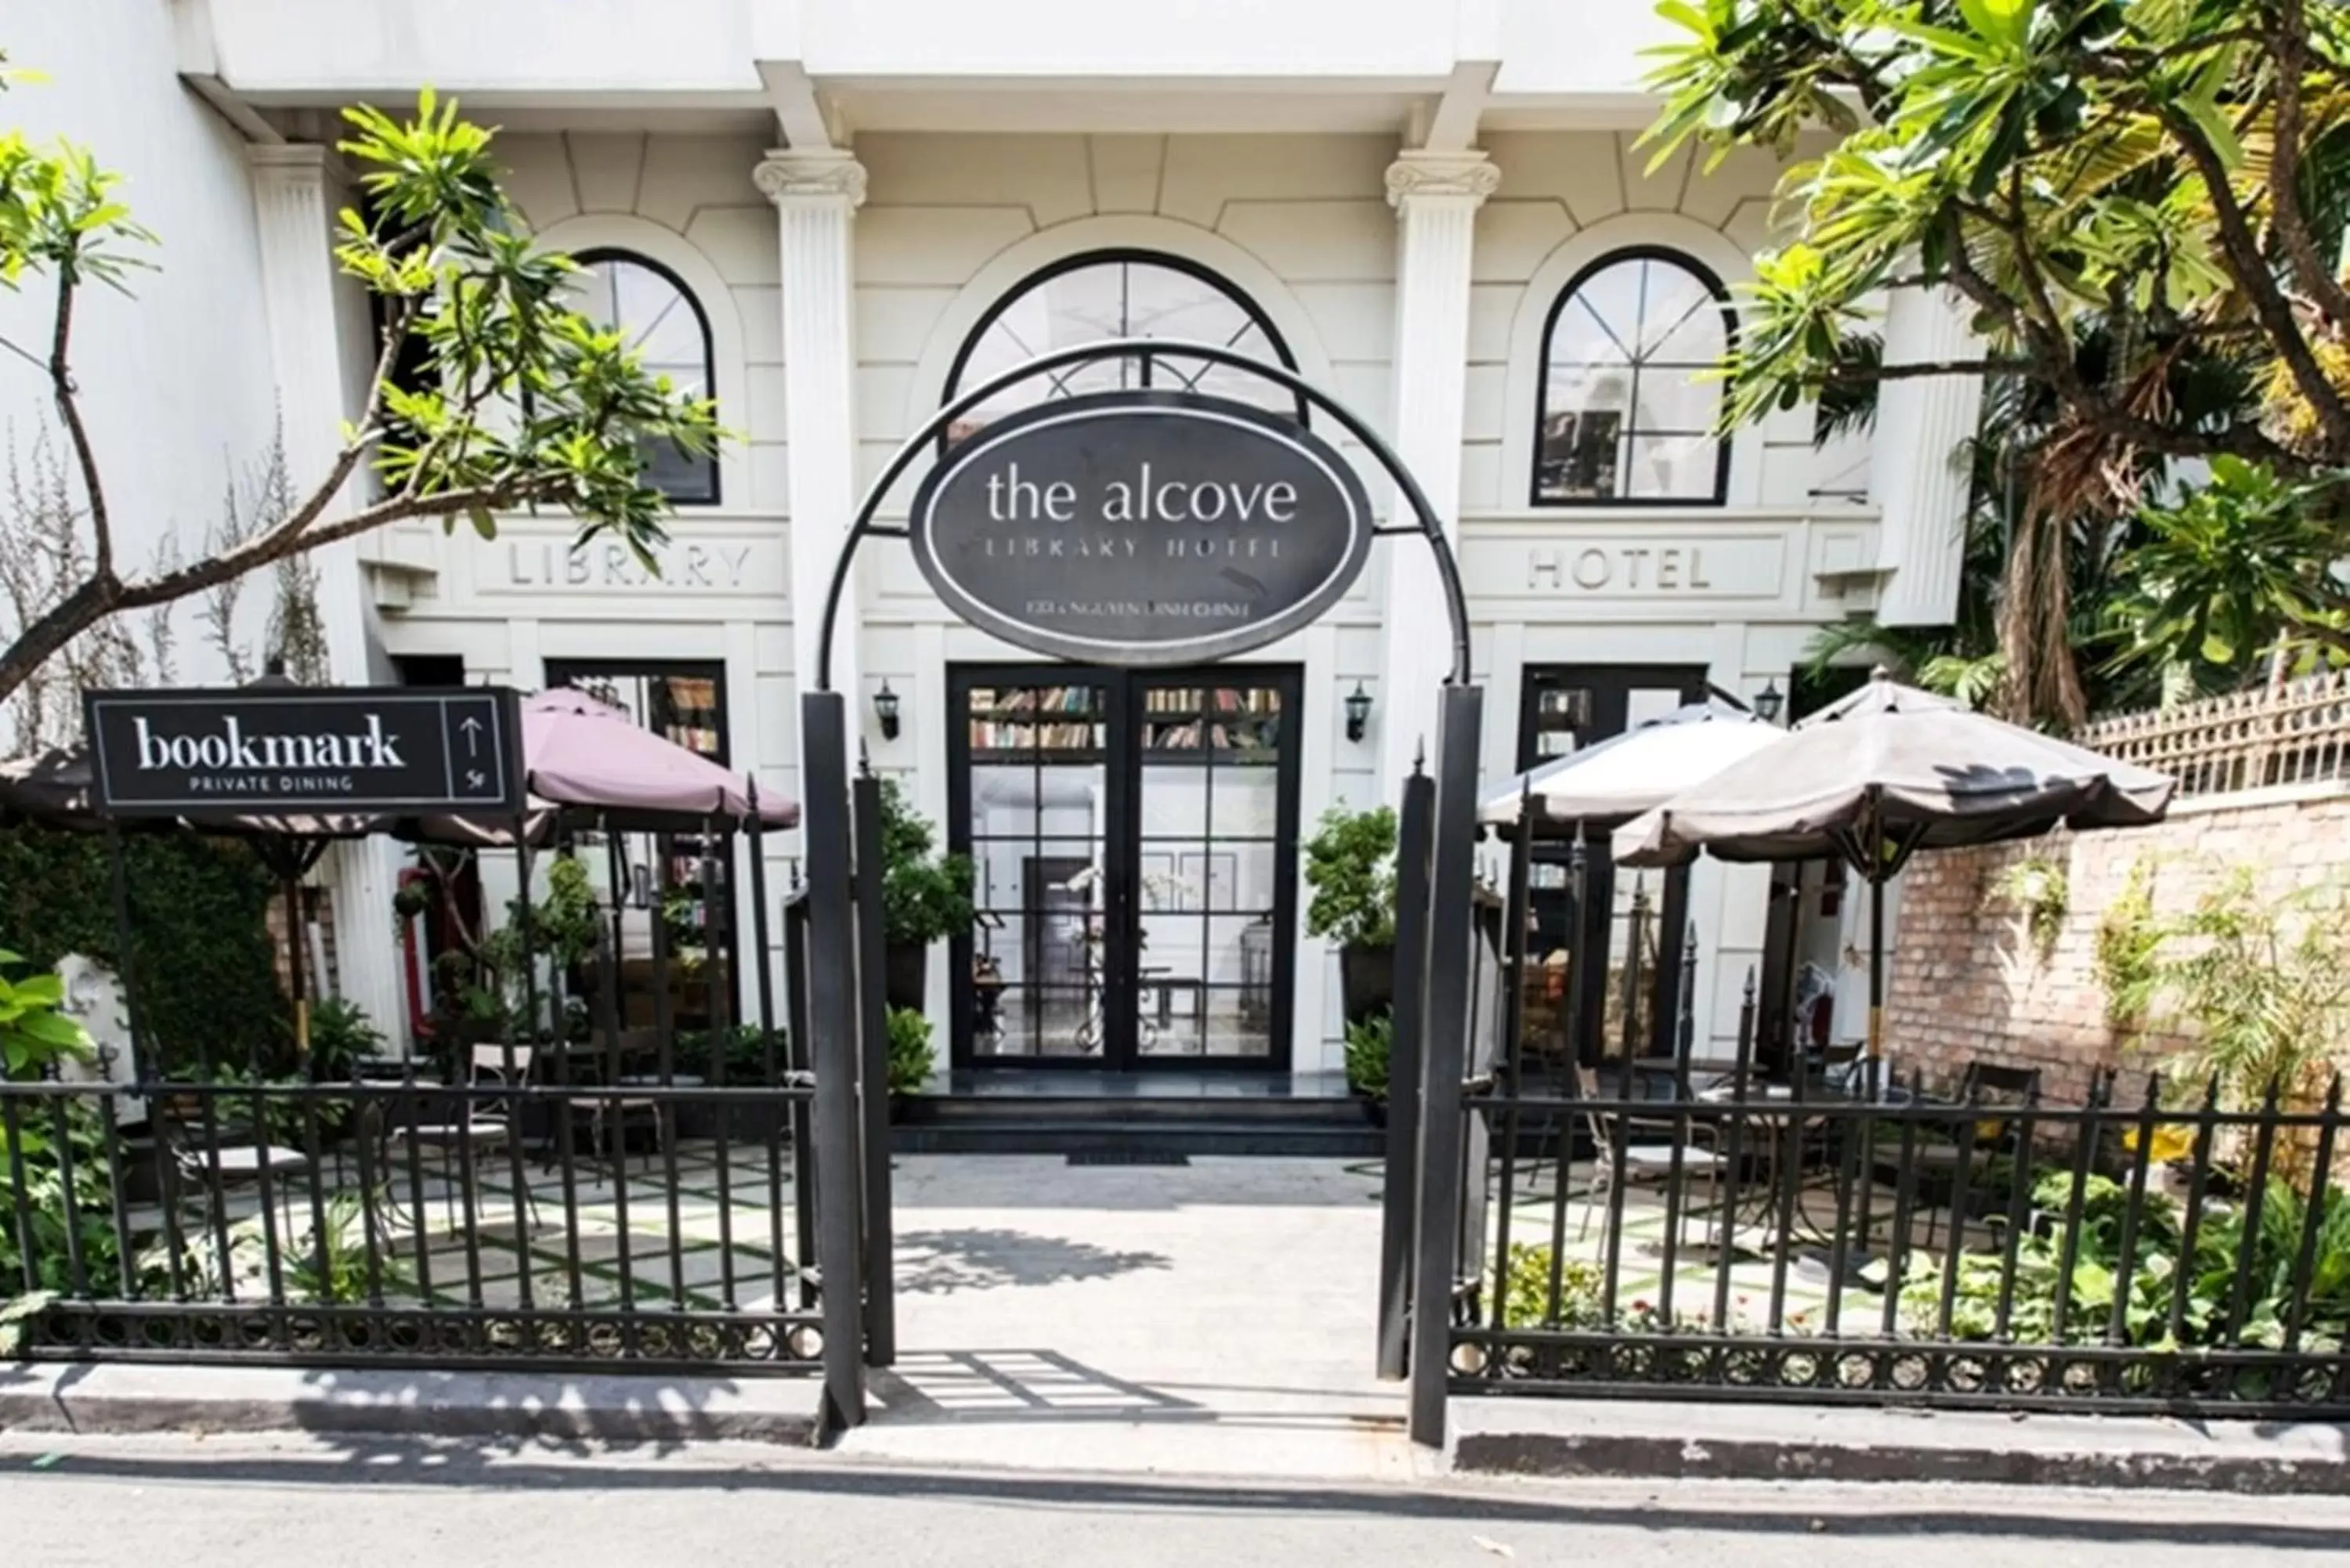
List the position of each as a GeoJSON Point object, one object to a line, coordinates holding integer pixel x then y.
{"type": "Point", "coordinates": [1864, 1241]}
{"type": "Point", "coordinates": [2295, 733]}
{"type": "Point", "coordinates": [491, 1220]}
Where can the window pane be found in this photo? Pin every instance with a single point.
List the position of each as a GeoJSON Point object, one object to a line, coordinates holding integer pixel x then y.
{"type": "Point", "coordinates": [1677, 400]}
{"type": "Point", "coordinates": [657, 320]}
{"type": "Point", "coordinates": [1677, 467]}
{"type": "Point", "coordinates": [1628, 410]}
{"type": "Point", "coordinates": [1107, 299]}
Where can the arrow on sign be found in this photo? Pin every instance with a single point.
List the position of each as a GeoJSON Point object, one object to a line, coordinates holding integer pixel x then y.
{"type": "Point", "coordinates": [475, 778]}
{"type": "Point", "coordinates": [473, 728]}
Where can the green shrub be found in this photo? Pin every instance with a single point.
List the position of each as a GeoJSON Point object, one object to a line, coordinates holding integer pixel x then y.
{"type": "Point", "coordinates": [202, 963]}
{"type": "Point", "coordinates": [33, 1033]}
{"type": "Point", "coordinates": [1350, 865]}
{"type": "Point", "coordinates": [1525, 1291]}
{"type": "Point", "coordinates": [2211, 1273]}
{"type": "Point", "coordinates": [911, 1056]}
{"type": "Point", "coordinates": [341, 1036]}
{"type": "Point", "coordinates": [924, 897]}
{"type": "Point", "coordinates": [1369, 1043]}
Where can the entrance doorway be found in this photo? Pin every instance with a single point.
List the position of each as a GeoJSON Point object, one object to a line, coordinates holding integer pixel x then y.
{"type": "Point", "coordinates": [1639, 923]}
{"type": "Point", "coordinates": [1133, 841]}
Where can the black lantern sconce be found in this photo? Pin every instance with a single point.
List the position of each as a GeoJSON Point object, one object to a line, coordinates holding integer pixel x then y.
{"type": "Point", "coordinates": [1768, 702]}
{"type": "Point", "coordinates": [1358, 712]}
{"type": "Point", "coordinates": [885, 709]}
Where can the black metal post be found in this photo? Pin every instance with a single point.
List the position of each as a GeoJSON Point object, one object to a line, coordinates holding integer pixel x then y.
{"type": "Point", "coordinates": [879, 1254]}
{"type": "Point", "coordinates": [1445, 1032]}
{"type": "Point", "coordinates": [1401, 1186]}
{"type": "Point", "coordinates": [832, 1029]}
{"type": "Point", "coordinates": [1515, 918]}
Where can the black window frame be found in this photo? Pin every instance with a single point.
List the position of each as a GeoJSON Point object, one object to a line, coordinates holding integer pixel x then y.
{"type": "Point", "coordinates": [708, 463]}
{"type": "Point", "coordinates": [1127, 256]}
{"type": "Point", "coordinates": [1713, 286]}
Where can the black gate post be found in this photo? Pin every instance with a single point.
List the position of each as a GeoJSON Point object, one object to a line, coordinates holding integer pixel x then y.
{"type": "Point", "coordinates": [1402, 1186]}
{"type": "Point", "coordinates": [1446, 1034]}
{"type": "Point", "coordinates": [832, 1016]}
{"type": "Point", "coordinates": [873, 950]}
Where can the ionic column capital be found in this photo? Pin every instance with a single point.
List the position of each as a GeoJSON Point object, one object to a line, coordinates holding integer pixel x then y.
{"type": "Point", "coordinates": [1469, 177]}
{"type": "Point", "coordinates": [796, 177]}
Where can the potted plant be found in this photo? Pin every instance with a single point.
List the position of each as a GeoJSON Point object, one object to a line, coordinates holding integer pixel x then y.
{"type": "Point", "coordinates": [1350, 866]}
{"type": "Point", "coordinates": [1370, 1042]}
{"type": "Point", "coordinates": [925, 896]}
{"type": "Point", "coordinates": [912, 1058]}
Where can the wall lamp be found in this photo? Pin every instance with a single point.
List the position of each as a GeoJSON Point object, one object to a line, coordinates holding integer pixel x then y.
{"type": "Point", "coordinates": [885, 709]}
{"type": "Point", "coordinates": [1358, 712]}
{"type": "Point", "coordinates": [1768, 702]}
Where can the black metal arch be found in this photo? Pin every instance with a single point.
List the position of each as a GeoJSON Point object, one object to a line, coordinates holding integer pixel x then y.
{"type": "Point", "coordinates": [1432, 526]}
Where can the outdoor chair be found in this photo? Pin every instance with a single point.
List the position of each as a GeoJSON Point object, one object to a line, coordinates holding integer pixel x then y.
{"type": "Point", "coordinates": [1991, 1084]}
{"type": "Point", "coordinates": [480, 1125]}
{"type": "Point", "coordinates": [610, 1117]}
{"type": "Point", "coordinates": [233, 1159]}
{"type": "Point", "coordinates": [1648, 1148]}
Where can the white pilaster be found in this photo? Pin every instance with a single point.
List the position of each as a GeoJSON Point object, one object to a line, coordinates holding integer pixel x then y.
{"type": "Point", "coordinates": [1436, 196]}
{"type": "Point", "coordinates": [816, 195]}
{"type": "Point", "coordinates": [1921, 475]}
{"type": "Point", "coordinates": [293, 207]}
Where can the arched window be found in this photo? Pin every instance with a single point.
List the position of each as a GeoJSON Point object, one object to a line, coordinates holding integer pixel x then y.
{"type": "Point", "coordinates": [664, 322]}
{"type": "Point", "coordinates": [1118, 294]}
{"type": "Point", "coordinates": [1628, 412]}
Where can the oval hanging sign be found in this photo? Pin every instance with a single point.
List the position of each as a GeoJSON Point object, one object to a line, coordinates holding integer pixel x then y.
{"type": "Point", "coordinates": [1141, 529]}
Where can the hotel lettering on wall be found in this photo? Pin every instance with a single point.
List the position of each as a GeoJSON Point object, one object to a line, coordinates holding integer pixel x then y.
{"type": "Point", "coordinates": [243, 751]}
{"type": "Point", "coordinates": [1141, 528]}
{"type": "Point", "coordinates": [1635, 568]}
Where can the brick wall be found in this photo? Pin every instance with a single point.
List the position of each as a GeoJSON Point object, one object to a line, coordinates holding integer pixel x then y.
{"type": "Point", "coordinates": [1969, 982]}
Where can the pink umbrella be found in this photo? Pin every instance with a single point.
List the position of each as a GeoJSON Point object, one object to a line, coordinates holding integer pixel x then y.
{"type": "Point", "coordinates": [578, 752]}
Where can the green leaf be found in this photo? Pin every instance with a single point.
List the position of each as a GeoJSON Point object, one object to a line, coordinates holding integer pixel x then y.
{"type": "Point", "coordinates": [484, 523]}
{"type": "Point", "coordinates": [2213, 121]}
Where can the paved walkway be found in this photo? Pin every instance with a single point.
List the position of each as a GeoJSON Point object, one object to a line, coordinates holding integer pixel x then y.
{"type": "Point", "coordinates": [1215, 1318]}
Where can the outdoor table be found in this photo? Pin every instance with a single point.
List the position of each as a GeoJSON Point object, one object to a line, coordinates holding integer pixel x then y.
{"type": "Point", "coordinates": [1774, 1105]}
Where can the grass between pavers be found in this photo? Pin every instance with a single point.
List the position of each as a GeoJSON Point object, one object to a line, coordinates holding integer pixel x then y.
{"type": "Point", "coordinates": [1639, 1278]}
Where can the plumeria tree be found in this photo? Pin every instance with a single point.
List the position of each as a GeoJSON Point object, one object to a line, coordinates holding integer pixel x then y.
{"type": "Point", "coordinates": [2143, 202]}
{"type": "Point", "coordinates": [489, 392]}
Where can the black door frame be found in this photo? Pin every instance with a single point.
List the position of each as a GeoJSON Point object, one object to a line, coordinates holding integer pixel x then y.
{"type": "Point", "coordinates": [1611, 687]}
{"type": "Point", "coordinates": [1122, 851]}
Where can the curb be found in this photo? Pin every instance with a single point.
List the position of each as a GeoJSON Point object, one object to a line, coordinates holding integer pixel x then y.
{"type": "Point", "coordinates": [1698, 1442]}
{"type": "Point", "coordinates": [132, 1398]}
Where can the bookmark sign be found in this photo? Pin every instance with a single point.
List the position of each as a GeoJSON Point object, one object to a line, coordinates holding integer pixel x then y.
{"type": "Point", "coordinates": [247, 751]}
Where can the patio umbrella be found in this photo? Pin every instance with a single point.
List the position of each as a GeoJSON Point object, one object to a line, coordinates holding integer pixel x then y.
{"type": "Point", "coordinates": [578, 752]}
{"type": "Point", "coordinates": [1636, 771]}
{"type": "Point", "coordinates": [1884, 773]}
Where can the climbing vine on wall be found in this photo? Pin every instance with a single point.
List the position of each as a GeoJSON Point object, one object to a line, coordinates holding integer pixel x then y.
{"type": "Point", "coordinates": [202, 956]}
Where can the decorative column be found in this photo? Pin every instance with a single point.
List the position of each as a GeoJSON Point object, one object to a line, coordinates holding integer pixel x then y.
{"type": "Point", "coordinates": [1436, 196]}
{"type": "Point", "coordinates": [816, 195]}
{"type": "Point", "coordinates": [294, 209]}
{"type": "Point", "coordinates": [1920, 473]}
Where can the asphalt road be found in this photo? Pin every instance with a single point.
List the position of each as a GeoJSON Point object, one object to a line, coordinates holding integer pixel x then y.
{"type": "Point", "coordinates": [303, 1502]}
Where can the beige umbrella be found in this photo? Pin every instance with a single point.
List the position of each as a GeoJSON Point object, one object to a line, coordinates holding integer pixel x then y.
{"type": "Point", "coordinates": [1881, 775]}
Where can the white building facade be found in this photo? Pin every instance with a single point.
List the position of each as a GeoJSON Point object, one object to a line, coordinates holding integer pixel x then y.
{"type": "Point", "coordinates": [835, 213]}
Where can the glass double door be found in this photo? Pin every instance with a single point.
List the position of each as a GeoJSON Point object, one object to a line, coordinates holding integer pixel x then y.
{"type": "Point", "coordinates": [1132, 838]}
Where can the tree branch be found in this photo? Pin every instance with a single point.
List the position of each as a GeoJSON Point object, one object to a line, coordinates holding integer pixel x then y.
{"type": "Point", "coordinates": [61, 387]}
{"type": "Point", "coordinates": [2269, 303]}
{"type": "Point", "coordinates": [2290, 45]}
{"type": "Point", "coordinates": [277, 545]}
{"type": "Point", "coordinates": [2054, 361]}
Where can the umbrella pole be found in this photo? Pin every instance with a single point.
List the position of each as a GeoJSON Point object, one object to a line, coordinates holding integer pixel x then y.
{"type": "Point", "coordinates": [293, 887]}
